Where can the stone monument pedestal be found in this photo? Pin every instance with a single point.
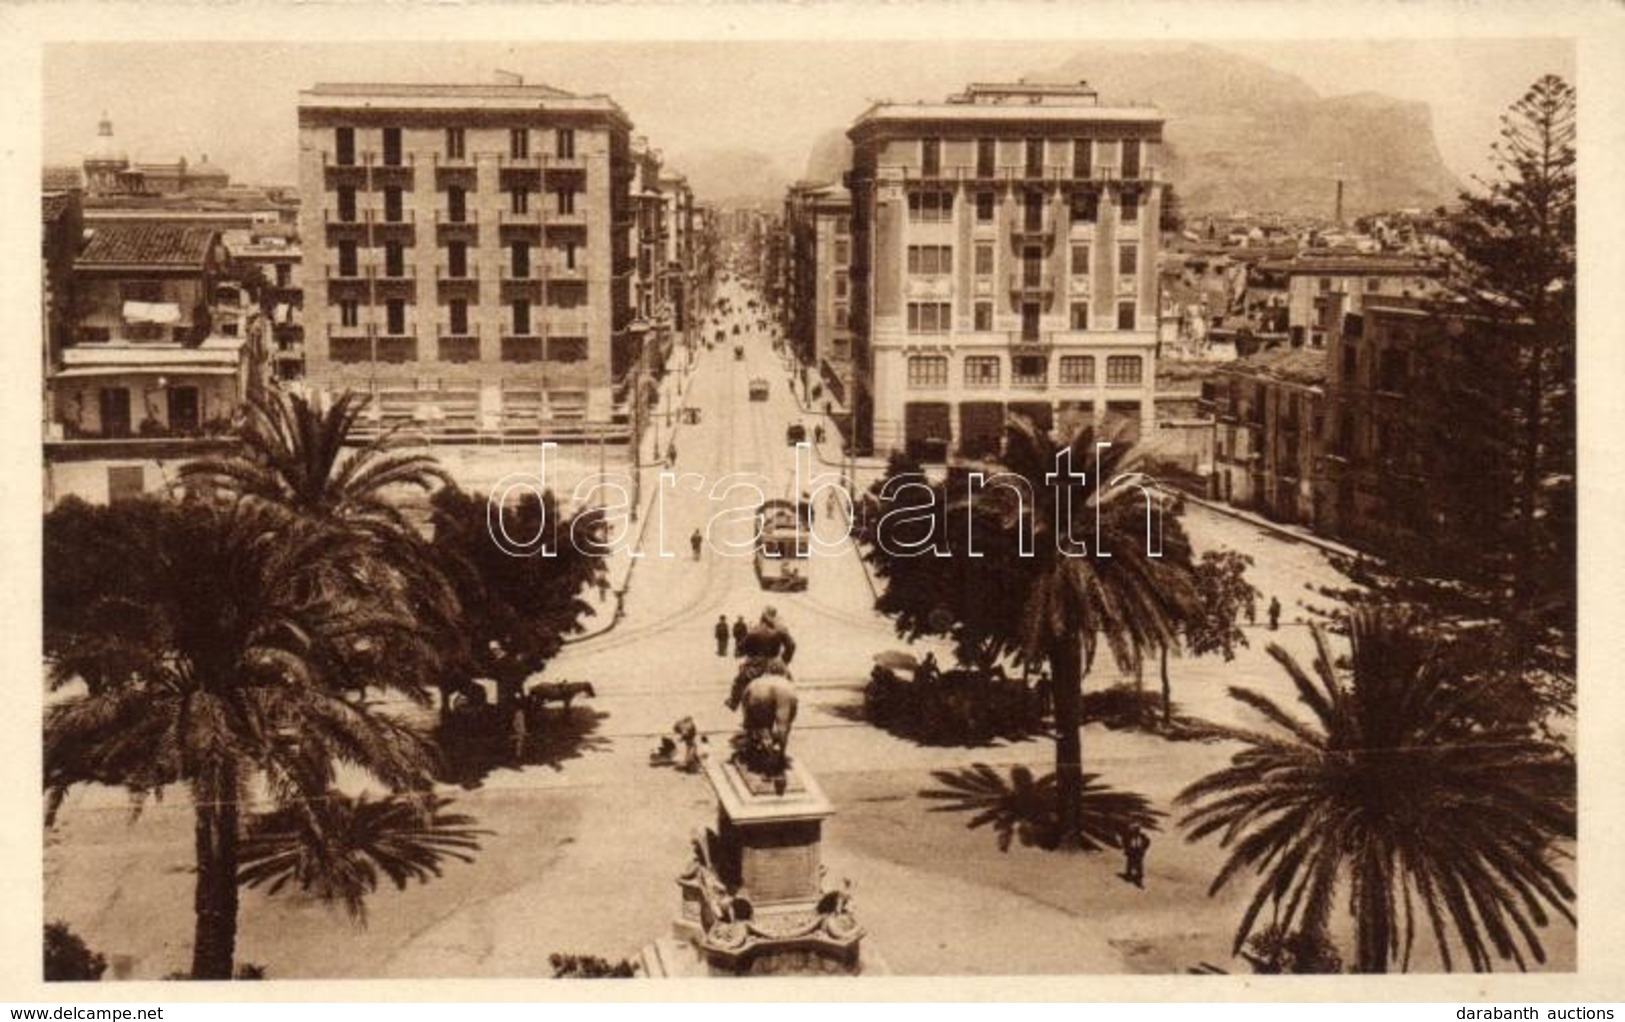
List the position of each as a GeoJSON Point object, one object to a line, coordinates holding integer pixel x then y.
{"type": "Point", "coordinates": [753, 899]}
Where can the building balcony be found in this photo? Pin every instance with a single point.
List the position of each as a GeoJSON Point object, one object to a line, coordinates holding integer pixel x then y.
{"type": "Point", "coordinates": [522, 348]}
{"type": "Point", "coordinates": [397, 347]}
{"type": "Point", "coordinates": [336, 218]}
{"type": "Point", "coordinates": [530, 221]}
{"type": "Point", "coordinates": [402, 218]}
{"type": "Point", "coordinates": [1042, 229]}
{"type": "Point", "coordinates": [349, 343]}
{"type": "Point", "coordinates": [576, 164]}
{"type": "Point", "coordinates": [358, 274]}
{"type": "Point", "coordinates": [454, 167]}
{"type": "Point", "coordinates": [529, 161]}
{"type": "Point", "coordinates": [470, 218]}
{"type": "Point", "coordinates": [559, 273]}
{"type": "Point", "coordinates": [576, 219]}
{"type": "Point", "coordinates": [456, 346]}
{"type": "Point", "coordinates": [405, 274]}
{"type": "Point", "coordinates": [403, 164]}
{"type": "Point", "coordinates": [1031, 284]}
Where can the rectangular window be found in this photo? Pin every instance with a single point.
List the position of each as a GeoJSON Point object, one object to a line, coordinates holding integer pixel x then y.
{"type": "Point", "coordinates": [1131, 158]}
{"type": "Point", "coordinates": [1083, 159]}
{"type": "Point", "coordinates": [521, 318]}
{"type": "Point", "coordinates": [519, 200]}
{"type": "Point", "coordinates": [347, 204]}
{"type": "Point", "coordinates": [392, 147]}
{"type": "Point", "coordinates": [1351, 363]}
{"type": "Point", "coordinates": [349, 312]}
{"type": "Point", "coordinates": [930, 260]}
{"type": "Point", "coordinates": [986, 157]}
{"type": "Point", "coordinates": [1325, 284]}
{"type": "Point", "coordinates": [141, 291]}
{"type": "Point", "coordinates": [841, 285]}
{"type": "Point", "coordinates": [395, 316]}
{"type": "Point", "coordinates": [1124, 369]}
{"type": "Point", "coordinates": [931, 207]}
{"type": "Point", "coordinates": [984, 260]}
{"type": "Point", "coordinates": [459, 316]}
{"type": "Point", "coordinates": [393, 212]}
{"type": "Point", "coordinates": [519, 259]}
{"type": "Point", "coordinates": [1125, 315]}
{"type": "Point", "coordinates": [566, 202]}
{"type": "Point", "coordinates": [1077, 370]}
{"type": "Point", "coordinates": [455, 144]}
{"type": "Point", "coordinates": [1080, 315]}
{"type": "Point", "coordinates": [1029, 370]}
{"type": "Point", "coordinates": [1080, 260]}
{"type": "Point", "coordinates": [1035, 157]}
{"type": "Point", "coordinates": [519, 143]}
{"type": "Point", "coordinates": [570, 255]}
{"type": "Point", "coordinates": [1373, 283]}
{"type": "Point", "coordinates": [983, 312]}
{"type": "Point", "coordinates": [928, 371]}
{"type": "Point", "coordinates": [931, 157]}
{"type": "Point", "coordinates": [457, 258]}
{"type": "Point", "coordinates": [564, 144]}
{"type": "Point", "coordinates": [984, 207]}
{"type": "Point", "coordinates": [843, 253]}
{"type": "Point", "coordinates": [840, 317]}
{"type": "Point", "coordinates": [1131, 208]}
{"type": "Point", "coordinates": [1128, 260]}
{"type": "Point", "coordinates": [456, 205]}
{"type": "Point", "coordinates": [394, 259]}
{"type": "Point", "coordinates": [344, 146]}
{"type": "Point", "coordinates": [284, 275]}
{"type": "Point", "coordinates": [981, 371]}
{"type": "Point", "coordinates": [928, 317]}
{"type": "Point", "coordinates": [348, 263]}
{"type": "Point", "coordinates": [1085, 206]}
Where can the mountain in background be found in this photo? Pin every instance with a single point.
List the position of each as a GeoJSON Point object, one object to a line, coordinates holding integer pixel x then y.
{"type": "Point", "coordinates": [732, 177]}
{"type": "Point", "coordinates": [1244, 136]}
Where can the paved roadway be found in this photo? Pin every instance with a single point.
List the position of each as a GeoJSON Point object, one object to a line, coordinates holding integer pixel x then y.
{"type": "Point", "coordinates": [584, 850]}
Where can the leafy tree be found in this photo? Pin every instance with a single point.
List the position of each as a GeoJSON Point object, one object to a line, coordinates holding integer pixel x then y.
{"type": "Point", "coordinates": [1397, 789]}
{"type": "Point", "coordinates": [1223, 595]}
{"type": "Point", "coordinates": [244, 623]}
{"type": "Point", "coordinates": [68, 959]}
{"type": "Point", "coordinates": [519, 581]}
{"type": "Point", "coordinates": [996, 567]}
{"type": "Point", "coordinates": [336, 848]}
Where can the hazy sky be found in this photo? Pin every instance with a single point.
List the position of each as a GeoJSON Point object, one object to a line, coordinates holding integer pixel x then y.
{"type": "Point", "coordinates": [236, 101]}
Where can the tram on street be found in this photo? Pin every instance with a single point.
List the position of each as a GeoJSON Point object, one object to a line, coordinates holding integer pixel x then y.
{"type": "Point", "coordinates": [783, 529]}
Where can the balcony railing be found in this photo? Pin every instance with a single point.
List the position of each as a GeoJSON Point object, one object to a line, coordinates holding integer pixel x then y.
{"type": "Point", "coordinates": [398, 347]}
{"type": "Point", "coordinates": [349, 344]}
{"type": "Point", "coordinates": [353, 275]}
{"type": "Point", "coordinates": [559, 272]}
{"type": "Point", "coordinates": [336, 218]}
{"type": "Point", "coordinates": [575, 218]}
{"type": "Point", "coordinates": [405, 161]}
{"type": "Point", "coordinates": [529, 218]}
{"type": "Point", "coordinates": [457, 346]}
{"type": "Point", "coordinates": [522, 348]}
{"type": "Point", "coordinates": [574, 163]}
{"type": "Point", "coordinates": [469, 274]}
{"type": "Point", "coordinates": [1025, 228]}
{"type": "Point", "coordinates": [402, 218]}
{"type": "Point", "coordinates": [331, 161]}
{"type": "Point", "coordinates": [1022, 282]}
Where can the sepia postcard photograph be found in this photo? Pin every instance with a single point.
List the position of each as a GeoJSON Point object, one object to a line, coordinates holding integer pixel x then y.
{"type": "Point", "coordinates": [741, 493]}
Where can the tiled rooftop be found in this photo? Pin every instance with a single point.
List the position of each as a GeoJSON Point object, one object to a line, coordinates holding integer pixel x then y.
{"type": "Point", "coordinates": [1294, 365]}
{"type": "Point", "coordinates": [147, 245]}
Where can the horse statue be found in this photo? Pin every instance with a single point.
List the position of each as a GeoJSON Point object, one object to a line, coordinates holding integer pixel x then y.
{"type": "Point", "coordinates": [770, 710]}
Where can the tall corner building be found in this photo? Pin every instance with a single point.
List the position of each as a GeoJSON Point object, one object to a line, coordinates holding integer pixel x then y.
{"type": "Point", "coordinates": [1004, 260]}
{"type": "Point", "coordinates": [467, 252]}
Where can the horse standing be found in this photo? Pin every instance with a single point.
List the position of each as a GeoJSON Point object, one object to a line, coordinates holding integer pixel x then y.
{"type": "Point", "coordinates": [770, 710]}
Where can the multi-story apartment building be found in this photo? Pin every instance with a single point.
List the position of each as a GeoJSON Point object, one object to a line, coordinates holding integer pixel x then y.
{"type": "Point", "coordinates": [467, 252]}
{"type": "Point", "coordinates": [1004, 260]}
{"type": "Point", "coordinates": [818, 225]}
{"type": "Point", "coordinates": [1268, 415]}
{"type": "Point", "coordinates": [1320, 287]}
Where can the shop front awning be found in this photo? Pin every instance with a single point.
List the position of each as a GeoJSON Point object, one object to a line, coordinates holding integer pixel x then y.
{"type": "Point", "coordinates": [144, 370]}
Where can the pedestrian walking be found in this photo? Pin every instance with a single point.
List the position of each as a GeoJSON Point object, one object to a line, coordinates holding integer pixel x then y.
{"type": "Point", "coordinates": [519, 730]}
{"type": "Point", "coordinates": [696, 541]}
{"type": "Point", "coordinates": [1252, 612]}
{"type": "Point", "coordinates": [1135, 843]}
{"type": "Point", "coordinates": [722, 633]}
{"type": "Point", "coordinates": [1275, 613]}
{"type": "Point", "coordinates": [818, 434]}
{"type": "Point", "coordinates": [741, 629]}
{"type": "Point", "coordinates": [671, 454]}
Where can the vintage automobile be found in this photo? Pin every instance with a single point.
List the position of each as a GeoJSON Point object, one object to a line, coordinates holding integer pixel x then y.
{"type": "Point", "coordinates": [758, 389]}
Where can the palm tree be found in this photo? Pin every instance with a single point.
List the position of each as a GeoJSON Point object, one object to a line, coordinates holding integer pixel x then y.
{"type": "Point", "coordinates": [294, 458]}
{"type": "Point", "coordinates": [335, 848]}
{"type": "Point", "coordinates": [1401, 789]}
{"type": "Point", "coordinates": [226, 680]}
{"type": "Point", "coordinates": [1045, 600]}
{"type": "Point", "coordinates": [294, 461]}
